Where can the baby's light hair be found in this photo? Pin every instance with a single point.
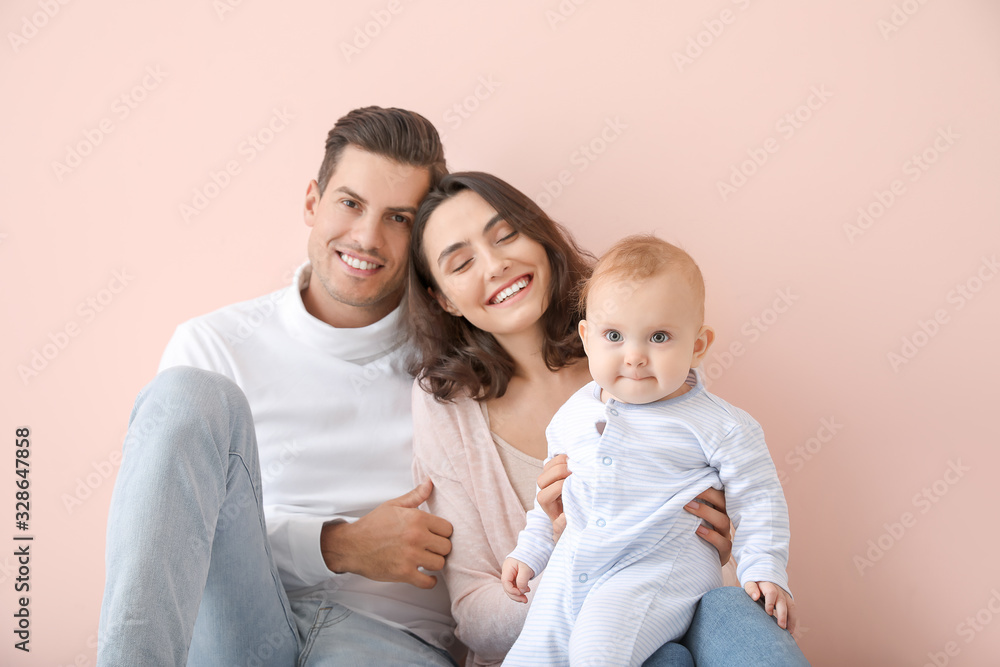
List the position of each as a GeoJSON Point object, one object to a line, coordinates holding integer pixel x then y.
{"type": "Point", "coordinates": [640, 257]}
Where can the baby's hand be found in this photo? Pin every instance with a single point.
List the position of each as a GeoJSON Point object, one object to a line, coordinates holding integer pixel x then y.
{"type": "Point", "coordinates": [515, 577]}
{"type": "Point", "coordinates": [777, 602]}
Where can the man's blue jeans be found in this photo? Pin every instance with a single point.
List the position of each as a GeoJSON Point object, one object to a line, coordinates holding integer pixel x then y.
{"type": "Point", "coordinates": [191, 579]}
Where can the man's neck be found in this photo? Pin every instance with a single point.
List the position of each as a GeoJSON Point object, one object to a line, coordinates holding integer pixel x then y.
{"type": "Point", "coordinates": [341, 315]}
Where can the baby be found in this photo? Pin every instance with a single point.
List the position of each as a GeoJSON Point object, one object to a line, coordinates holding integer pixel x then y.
{"type": "Point", "coordinates": [643, 440]}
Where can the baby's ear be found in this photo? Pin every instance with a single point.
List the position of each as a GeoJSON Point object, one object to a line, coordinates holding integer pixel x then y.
{"type": "Point", "coordinates": [706, 336]}
{"type": "Point", "coordinates": [443, 301]}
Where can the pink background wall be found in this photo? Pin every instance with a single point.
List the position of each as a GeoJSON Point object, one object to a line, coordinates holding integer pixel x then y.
{"type": "Point", "coordinates": [641, 109]}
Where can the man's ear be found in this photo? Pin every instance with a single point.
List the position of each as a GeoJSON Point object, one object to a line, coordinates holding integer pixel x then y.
{"type": "Point", "coordinates": [444, 303]}
{"type": "Point", "coordinates": [583, 334]}
{"type": "Point", "coordinates": [706, 336]}
{"type": "Point", "coordinates": [311, 209]}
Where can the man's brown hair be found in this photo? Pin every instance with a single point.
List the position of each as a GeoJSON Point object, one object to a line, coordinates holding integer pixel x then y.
{"type": "Point", "coordinates": [397, 134]}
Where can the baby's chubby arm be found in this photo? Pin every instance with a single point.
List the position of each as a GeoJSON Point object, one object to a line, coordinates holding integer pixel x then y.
{"type": "Point", "coordinates": [515, 577]}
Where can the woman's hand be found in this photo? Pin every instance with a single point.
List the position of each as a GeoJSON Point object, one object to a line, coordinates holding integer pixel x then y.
{"type": "Point", "coordinates": [717, 517]}
{"type": "Point", "coordinates": [777, 602]}
{"type": "Point", "coordinates": [550, 484]}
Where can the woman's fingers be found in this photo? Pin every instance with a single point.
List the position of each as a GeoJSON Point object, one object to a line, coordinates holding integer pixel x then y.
{"type": "Point", "coordinates": [550, 485]}
{"type": "Point", "coordinates": [555, 469]}
{"type": "Point", "coordinates": [558, 526]}
{"type": "Point", "coordinates": [714, 496]}
{"type": "Point", "coordinates": [550, 499]}
{"type": "Point", "coordinates": [714, 515]}
{"type": "Point", "coordinates": [722, 544]}
{"type": "Point", "coordinates": [717, 518]}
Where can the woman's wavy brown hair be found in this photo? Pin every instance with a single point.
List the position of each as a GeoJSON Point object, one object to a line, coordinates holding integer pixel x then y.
{"type": "Point", "coordinates": [452, 357]}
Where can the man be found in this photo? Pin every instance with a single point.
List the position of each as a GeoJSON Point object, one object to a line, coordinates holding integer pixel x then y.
{"type": "Point", "coordinates": [314, 373]}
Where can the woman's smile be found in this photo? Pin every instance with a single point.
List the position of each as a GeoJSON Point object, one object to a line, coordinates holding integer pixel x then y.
{"type": "Point", "coordinates": [511, 292]}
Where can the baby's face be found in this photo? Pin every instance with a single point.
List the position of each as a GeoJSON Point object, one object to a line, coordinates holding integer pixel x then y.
{"type": "Point", "coordinates": [643, 336]}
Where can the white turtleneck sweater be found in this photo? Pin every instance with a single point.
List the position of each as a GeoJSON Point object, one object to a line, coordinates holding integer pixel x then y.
{"type": "Point", "coordinates": [331, 408]}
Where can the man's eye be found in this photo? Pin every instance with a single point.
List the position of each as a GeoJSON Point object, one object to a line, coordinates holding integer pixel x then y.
{"type": "Point", "coordinates": [401, 218]}
{"type": "Point", "coordinates": [350, 203]}
{"type": "Point", "coordinates": [659, 337]}
{"type": "Point", "coordinates": [614, 336]}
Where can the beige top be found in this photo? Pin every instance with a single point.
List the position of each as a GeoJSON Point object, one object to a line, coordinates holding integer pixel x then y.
{"type": "Point", "coordinates": [522, 470]}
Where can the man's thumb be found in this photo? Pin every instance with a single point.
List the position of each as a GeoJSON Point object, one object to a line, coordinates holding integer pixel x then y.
{"type": "Point", "coordinates": [415, 497]}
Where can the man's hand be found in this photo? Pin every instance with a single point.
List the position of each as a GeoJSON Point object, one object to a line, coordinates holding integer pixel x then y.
{"type": "Point", "coordinates": [515, 576]}
{"type": "Point", "coordinates": [390, 542]}
{"type": "Point", "coordinates": [717, 517]}
{"type": "Point", "coordinates": [777, 602]}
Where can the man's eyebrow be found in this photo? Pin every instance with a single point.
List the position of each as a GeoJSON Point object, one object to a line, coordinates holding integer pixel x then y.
{"type": "Point", "coordinates": [395, 209]}
{"type": "Point", "coordinates": [352, 194]}
{"type": "Point", "coordinates": [490, 224]}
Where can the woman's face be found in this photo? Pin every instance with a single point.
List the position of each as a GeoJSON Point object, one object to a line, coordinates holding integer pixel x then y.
{"type": "Point", "coordinates": [488, 273]}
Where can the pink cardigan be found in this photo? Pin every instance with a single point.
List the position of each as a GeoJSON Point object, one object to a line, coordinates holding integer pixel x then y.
{"type": "Point", "coordinates": [453, 446]}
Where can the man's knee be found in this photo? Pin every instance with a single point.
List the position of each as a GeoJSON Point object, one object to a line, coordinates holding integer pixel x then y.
{"type": "Point", "coordinates": [183, 396]}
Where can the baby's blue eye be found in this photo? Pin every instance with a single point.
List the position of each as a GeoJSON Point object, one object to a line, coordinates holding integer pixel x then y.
{"type": "Point", "coordinates": [659, 337]}
{"type": "Point", "coordinates": [614, 336]}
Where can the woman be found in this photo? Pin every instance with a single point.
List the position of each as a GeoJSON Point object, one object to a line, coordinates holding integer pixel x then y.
{"type": "Point", "coordinates": [493, 318]}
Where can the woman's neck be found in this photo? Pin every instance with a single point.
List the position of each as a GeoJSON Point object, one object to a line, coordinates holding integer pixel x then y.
{"type": "Point", "coordinates": [526, 349]}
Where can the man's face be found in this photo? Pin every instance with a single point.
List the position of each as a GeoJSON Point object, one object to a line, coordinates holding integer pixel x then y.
{"type": "Point", "coordinates": [359, 238]}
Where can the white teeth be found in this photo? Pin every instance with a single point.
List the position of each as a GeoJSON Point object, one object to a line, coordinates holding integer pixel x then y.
{"type": "Point", "coordinates": [357, 263]}
{"type": "Point", "coordinates": [513, 289]}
